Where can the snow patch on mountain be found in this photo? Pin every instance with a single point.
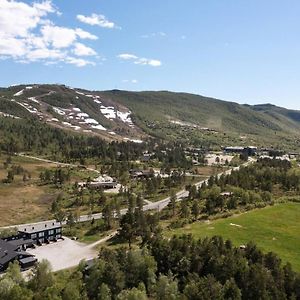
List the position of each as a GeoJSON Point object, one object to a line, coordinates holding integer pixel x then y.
{"type": "Point", "coordinates": [19, 93]}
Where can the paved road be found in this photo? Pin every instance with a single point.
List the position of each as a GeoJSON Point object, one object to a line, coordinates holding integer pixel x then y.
{"type": "Point", "coordinates": [159, 205]}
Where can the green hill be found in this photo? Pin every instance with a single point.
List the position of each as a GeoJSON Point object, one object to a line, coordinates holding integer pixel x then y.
{"type": "Point", "coordinates": [164, 113]}
{"type": "Point", "coordinates": [188, 118]}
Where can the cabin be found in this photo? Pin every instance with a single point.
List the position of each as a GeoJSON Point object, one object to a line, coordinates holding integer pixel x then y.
{"type": "Point", "coordinates": [147, 156]}
{"type": "Point", "coordinates": [103, 185]}
{"type": "Point", "coordinates": [226, 194]}
{"type": "Point", "coordinates": [102, 182]}
{"type": "Point", "coordinates": [10, 252]}
{"type": "Point", "coordinates": [250, 150]}
{"type": "Point", "coordinates": [41, 233]}
{"type": "Point", "coordinates": [234, 149]}
{"type": "Point", "coordinates": [139, 174]}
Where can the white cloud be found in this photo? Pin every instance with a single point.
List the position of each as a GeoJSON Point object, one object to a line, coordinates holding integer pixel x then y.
{"type": "Point", "coordinates": [62, 37]}
{"type": "Point", "coordinates": [45, 53]}
{"type": "Point", "coordinates": [10, 46]}
{"type": "Point", "coordinates": [79, 62]}
{"type": "Point", "coordinates": [58, 37]}
{"type": "Point", "coordinates": [140, 60]}
{"type": "Point", "coordinates": [27, 34]}
{"type": "Point", "coordinates": [18, 18]}
{"type": "Point", "coordinates": [134, 81]}
{"type": "Point", "coordinates": [85, 35]}
{"type": "Point", "coordinates": [127, 56]}
{"type": "Point", "coordinates": [150, 62]}
{"type": "Point", "coordinates": [99, 20]}
{"type": "Point", "coordinates": [82, 50]}
{"type": "Point", "coordinates": [154, 34]}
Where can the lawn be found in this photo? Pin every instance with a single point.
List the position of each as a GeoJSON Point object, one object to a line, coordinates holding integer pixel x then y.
{"type": "Point", "coordinates": [86, 232]}
{"type": "Point", "coordinates": [273, 229]}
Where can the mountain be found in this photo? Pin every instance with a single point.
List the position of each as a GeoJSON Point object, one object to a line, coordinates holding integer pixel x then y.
{"type": "Point", "coordinates": [201, 119]}
{"type": "Point", "coordinates": [67, 108]}
{"type": "Point", "coordinates": [288, 119]}
{"type": "Point", "coordinates": [124, 115]}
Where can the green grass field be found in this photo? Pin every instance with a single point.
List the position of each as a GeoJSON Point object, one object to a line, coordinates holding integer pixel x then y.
{"type": "Point", "coordinates": [275, 229]}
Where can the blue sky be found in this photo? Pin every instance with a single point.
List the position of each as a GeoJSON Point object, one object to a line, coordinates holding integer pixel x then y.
{"type": "Point", "coordinates": [244, 51]}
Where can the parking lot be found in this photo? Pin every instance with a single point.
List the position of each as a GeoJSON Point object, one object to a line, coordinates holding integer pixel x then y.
{"type": "Point", "coordinates": [64, 253]}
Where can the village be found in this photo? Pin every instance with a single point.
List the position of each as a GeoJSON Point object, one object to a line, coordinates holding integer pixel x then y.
{"type": "Point", "coordinates": [30, 243]}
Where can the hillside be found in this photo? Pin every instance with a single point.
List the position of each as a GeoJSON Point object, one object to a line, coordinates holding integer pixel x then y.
{"type": "Point", "coordinates": [71, 109]}
{"type": "Point", "coordinates": [182, 115]}
{"type": "Point", "coordinates": [123, 115]}
{"type": "Point", "coordinates": [287, 118]}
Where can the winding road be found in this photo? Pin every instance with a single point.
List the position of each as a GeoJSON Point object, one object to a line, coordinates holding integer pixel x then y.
{"type": "Point", "coordinates": [158, 205]}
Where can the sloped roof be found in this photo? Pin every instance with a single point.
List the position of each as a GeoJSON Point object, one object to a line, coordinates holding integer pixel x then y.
{"type": "Point", "coordinates": [7, 252]}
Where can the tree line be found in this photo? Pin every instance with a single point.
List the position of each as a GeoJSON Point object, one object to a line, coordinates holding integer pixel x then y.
{"type": "Point", "coordinates": [178, 268]}
{"type": "Point", "coordinates": [249, 187]}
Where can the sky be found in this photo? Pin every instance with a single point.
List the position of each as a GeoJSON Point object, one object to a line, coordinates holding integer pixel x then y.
{"type": "Point", "coordinates": [245, 51]}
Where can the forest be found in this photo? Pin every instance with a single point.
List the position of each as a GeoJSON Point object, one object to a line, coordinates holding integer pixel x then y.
{"type": "Point", "coordinates": [178, 268]}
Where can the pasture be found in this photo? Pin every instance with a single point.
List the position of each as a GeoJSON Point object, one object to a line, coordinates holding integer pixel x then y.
{"type": "Point", "coordinates": [274, 228]}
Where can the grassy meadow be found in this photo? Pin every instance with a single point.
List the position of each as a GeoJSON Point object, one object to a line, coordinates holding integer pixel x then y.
{"type": "Point", "coordinates": [29, 201]}
{"type": "Point", "coordinates": [274, 228]}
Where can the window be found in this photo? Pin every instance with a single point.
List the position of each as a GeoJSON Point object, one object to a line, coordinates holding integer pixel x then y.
{"type": "Point", "coordinates": [41, 234]}
{"type": "Point", "coordinates": [33, 236]}
{"type": "Point", "coordinates": [51, 232]}
{"type": "Point", "coordinates": [58, 230]}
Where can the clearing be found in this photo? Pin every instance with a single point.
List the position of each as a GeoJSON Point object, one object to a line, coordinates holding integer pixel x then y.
{"type": "Point", "coordinates": [273, 229]}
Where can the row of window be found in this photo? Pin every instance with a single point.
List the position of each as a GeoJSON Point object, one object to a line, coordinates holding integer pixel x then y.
{"type": "Point", "coordinates": [42, 234]}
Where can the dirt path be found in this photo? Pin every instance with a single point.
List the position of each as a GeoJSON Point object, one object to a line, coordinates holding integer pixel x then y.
{"type": "Point", "coordinates": [56, 162]}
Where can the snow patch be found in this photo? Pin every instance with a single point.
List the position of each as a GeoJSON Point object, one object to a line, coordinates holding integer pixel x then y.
{"type": "Point", "coordinates": [28, 107]}
{"type": "Point", "coordinates": [100, 127]}
{"type": "Point", "coordinates": [72, 126]}
{"type": "Point", "coordinates": [91, 121]}
{"type": "Point", "coordinates": [133, 140]}
{"type": "Point", "coordinates": [110, 113]}
{"type": "Point", "coordinates": [19, 93]}
{"type": "Point", "coordinates": [82, 115]}
{"type": "Point", "coordinates": [125, 117]}
{"type": "Point", "coordinates": [59, 111]}
{"type": "Point", "coordinates": [2, 114]}
{"type": "Point", "coordinates": [33, 99]}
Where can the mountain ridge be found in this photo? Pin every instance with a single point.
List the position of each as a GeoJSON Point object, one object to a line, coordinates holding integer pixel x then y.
{"type": "Point", "coordinates": [124, 115]}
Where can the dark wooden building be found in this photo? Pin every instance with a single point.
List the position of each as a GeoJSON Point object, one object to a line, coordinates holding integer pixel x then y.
{"type": "Point", "coordinates": [43, 232]}
{"type": "Point", "coordinates": [10, 252]}
{"type": "Point", "coordinates": [141, 174]}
